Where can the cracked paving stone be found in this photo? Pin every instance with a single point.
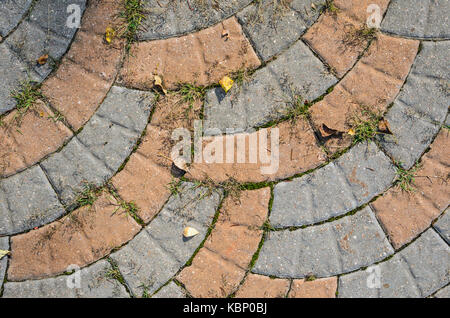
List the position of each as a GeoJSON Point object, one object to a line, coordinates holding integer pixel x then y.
{"type": "Point", "coordinates": [442, 226]}
{"type": "Point", "coordinates": [27, 200]}
{"type": "Point", "coordinates": [171, 290]}
{"type": "Point", "coordinates": [421, 107]}
{"type": "Point", "coordinates": [267, 94]}
{"type": "Point", "coordinates": [149, 260]}
{"type": "Point", "coordinates": [417, 271]}
{"type": "Point", "coordinates": [340, 187]}
{"type": "Point", "coordinates": [168, 18]}
{"type": "Point", "coordinates": [4, 245]}
{"type": "Point", "coordinates": [102, 146]}
{"type": "Point", "coordinates": [418, 18]}
{"type": "Point", "coordinates": [324, 250]}
{"type": "Point", "coordinates": [11, 13]}
{"type": "Point", "coordinates": [95, 283]}
{"type": "Point", "coordinates": [274, 26]}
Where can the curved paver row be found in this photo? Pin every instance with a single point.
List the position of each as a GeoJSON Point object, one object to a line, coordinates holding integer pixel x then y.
{"type": "Point", "coordinates": [44, 31]}
{"type": "Point", "coordinates": [10, 15]}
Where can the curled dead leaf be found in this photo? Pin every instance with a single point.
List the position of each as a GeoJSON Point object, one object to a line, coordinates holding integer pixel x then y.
{"type": "Point", "coordinates": [383, 126]}
{"type": "Point", "coordinates": [190, 232]}
{"type": "Point", "coordinates": [326, 132]}
{"type": "Point", "coordinates": [157, 80]}
{"type": "Point", "coordinates": [42, 59]}
{"type": "Point", "coordinates": [3, 253]}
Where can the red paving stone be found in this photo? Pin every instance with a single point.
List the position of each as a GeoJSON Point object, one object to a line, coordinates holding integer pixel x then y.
{"type": "Point", "coordinates": [404, 215]}
{"type": "Point", "coordinates": [80, 238]}
{"type": "Point", "coordinates": [26, 139]}
{"type": "Point", "coordinates": [220, 265]}
{"type": "Point", "coordinates": [201, 58]}
{"type": "Point", "coordinates": [259, 286]}
{"type": "Point", "coordinates": [318, 288]}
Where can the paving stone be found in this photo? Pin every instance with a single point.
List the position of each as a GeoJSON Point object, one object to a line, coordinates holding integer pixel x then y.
{"type": "Point", "coordinates": [318, 288]}
{"type": "Point", "coordinates": [404, 215]}
{"type": "Point", "coordinates": [29, 138]}
{"type": "Point", "coordinates": [331, 37]}
{"type": "Point", "coordinates": [11, 13]}
{"type": "Point", "coordinates": [442, 226]}
{"type": "Point", "coordinates": [158, 252]}
{"type": "Point", "coordinates": [112, 132]}
{"type": "Point", "coordinates": [202, 58]}
{"type": "Point", "coordinates": [266, 96]}
{"type": "Point", "coordinates": [418, 18]}
{"type": "Point", "coordinates": [17, 71]}
{"type": "Point", "coordinates": [220, 265]}
{"type": "Point", "coordinates": [417, 271]}
{"type": "Point", "coordinates": [324, 250]}
{"type": "Point", "coordinates": [94, 284]}
{"type": "Point", "coordinates": [4, 245]}
{"type": "Point", "coordinates": [171, 290]}
{"type": "Point", "coordinates": [166, 18]}
{"type": "Point", "coordinates": [335, 189]}
{"type": "Point", "coordinates": [443, 293]}
{"type": "Point", "coordinates": [81, 238]}
{"type": "Point", "coordinates": [273, 26]}
{"type": "Point", "coordinates": [103, 145]}
{"type": "Point", "coordinates": [27, 201]}
{"type": "Point", "coordinates": [298, 152]}
{"type": "Point", "coordinates": [259, 286]}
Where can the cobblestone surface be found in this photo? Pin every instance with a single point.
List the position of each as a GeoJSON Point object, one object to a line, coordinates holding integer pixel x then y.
{"type": "Point", "coordinates": [11, 13]}
{"type": "Point", "coordinates": [442, 226]}
{"type": "Point", "coordinates": [324, 250]}
{"type": "Point", "coordinates": [171, 290]}
{"type": "Point", "coordinates": [417, 271]}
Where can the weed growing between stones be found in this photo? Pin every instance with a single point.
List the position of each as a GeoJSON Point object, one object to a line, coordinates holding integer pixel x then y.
{"type": "Point", "coordinates": [366, 128]}
{"type": "Point", "coordinates": [26, 95]}
{"type": "Point", "coordinates": [330, 8]}
{"type": "Point", "coordinates": [298, 108]}
{"type": "Point", "coordinates": [132, 17]}
{"type": "Point", "coordinates": [405, 178]}
{"type": "Point", "coordinates": [88, 195]}
{"type": "Point", "coordinates": [357, 37]}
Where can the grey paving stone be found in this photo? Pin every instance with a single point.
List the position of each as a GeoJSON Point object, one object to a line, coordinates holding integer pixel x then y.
{"type": "Point", "coordinates": [341, 186]}
{"type": "Point", "coordinates": [4, 245]}
{"type": "Point", "coordinates": [417, 271]}
{"type": "Point", "coordinates": [267, 95]}
{"type": "Point", "coordinates": [114, 129]}
{"type": "Point", "coordinates": [11, 12]}
{"type": "Point", "coordinates": [443, 293]}
{"type": "Point", "coordinates": [159, 251]}
{"type": "Point", "coordinates": [418, 18]}
{"type": "Point", "coordinates": [27, 200]}
{"type": "Point", "coordinates": [16, 72]}
{"type": "Point", "coordinates": [171, 290]}
{"type": "Point", "coordinates": [421, 106]}
{"type": "Point", "coordinates": [324, 250]}
{"type": "Point", "coordinates": [94, 284]}
{"type": "Point", "coordinates": [167, 18]}
{"type": "Point", "coordinates": [102, 146]}
{"type": "Point", "coordinates": [273, 26]}
{"type": "Point", "coordinates": [442, 225]}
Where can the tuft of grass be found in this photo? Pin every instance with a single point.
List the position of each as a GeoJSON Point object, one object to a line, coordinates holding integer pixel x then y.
{"type": "Point", "coordinates": [406, 178]}
{"type": "Point", "coordinates": [367, 129]}
{"type": "Point", "coordinates": [174, 186]}
{"type": "Point", "coordinates": [298, 108]}
{"type": "Point", "coordinates": [190, 93]}
{"type": "Point", "coordinates": [358, 37]}
{"type": "Point", "coordinates": [26, 95]}
{"type": "Point", "coordinates": [133, 16]}
{"type": "Point", "coordinates": [88, 195]}
{"type": "Point", "coordinates": [330, 7]}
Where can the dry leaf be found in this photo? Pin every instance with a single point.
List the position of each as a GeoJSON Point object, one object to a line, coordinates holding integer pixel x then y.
{"type": "Point", "coordinates": [43, 59]}
{"type": "Point", "coordinates": [190, 232]}
{"type": "Point", "coordinates": [351, 132]}
{"type": "Point", "coordinates": [109, 34]}
{"type": "Point", "coordinates": [226, 83]}
{"type": "Point", "coordinates": [3, 253]}
{"type": "Point", "coordinates": [326, 132]}
{"type": "Point", "coordinates": [158, 82]}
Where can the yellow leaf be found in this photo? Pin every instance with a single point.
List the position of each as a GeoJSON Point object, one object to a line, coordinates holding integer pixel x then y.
{"type": "Point", "coordinates": [43, 59]}
{"type": "Point", "coordinates": [351, 132]}
{"type": "Point", "coordinates": [158, 82]}
{"type": "Point", "coordinates": [190, 232]}
{"type": "Point", "coordinates": [226, 83]}
{"type": "Point", "coordinates": [3, 253]}
{"type": "Point", "coordinates": [109, 34]}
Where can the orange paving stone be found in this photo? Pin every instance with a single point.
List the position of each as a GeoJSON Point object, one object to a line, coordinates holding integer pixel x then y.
{"type": "Point", "coordinates": [219, 267]}
{"type": "Point", "coordinates": [80, 238]}
{"type": "Point", "coordinates": [200, 58]}
{"type": "Point", "coordinates": [298, 152]}
{"type": "Point", "coordinates": [373, 83]}
{"type": "Point", "coordinates": [26, 139]}
{"type": "Point", "coordinates": [259, 286]}
{"type": "Point", "coordinates": [330, 36]}
{"type": "Point", "coordinates": [143, 180]}
{"type": "Point", "coordinates": [404, 215]}
{"type": "Point", "coordinates": [89, 68]}
{"type": "Point", "coordinates": [318, 288]}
